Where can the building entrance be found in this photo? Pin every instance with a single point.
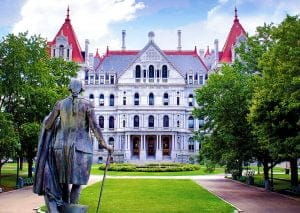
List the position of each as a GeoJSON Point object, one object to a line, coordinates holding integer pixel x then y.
{"type": "Point", "coordinates": [166, 146]}
{"type": "Point", "coordinates": [136, 146]}
{"type": "Point", "coordinates": [150, 146]}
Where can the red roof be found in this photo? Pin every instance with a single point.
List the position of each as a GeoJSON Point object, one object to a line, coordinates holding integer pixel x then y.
{"type": "Point", "coordinates": [236, 30]}
{"type": "Point", "coordinates": [68, 31]}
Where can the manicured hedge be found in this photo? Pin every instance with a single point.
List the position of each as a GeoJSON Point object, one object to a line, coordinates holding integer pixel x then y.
{"type": "Point", "coordinates": [163, 167]}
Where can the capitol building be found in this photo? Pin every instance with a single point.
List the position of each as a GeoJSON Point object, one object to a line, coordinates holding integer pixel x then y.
{"type": "Point", "coordinates": [144, 98]}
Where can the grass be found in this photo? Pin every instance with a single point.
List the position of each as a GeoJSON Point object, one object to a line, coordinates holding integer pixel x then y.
{"type": "Point", "coordinates": [9, 175]}
{"type": "Point", "coordinates": [95, 171]}
{"type": "Point", "coordinates": [152, 196]}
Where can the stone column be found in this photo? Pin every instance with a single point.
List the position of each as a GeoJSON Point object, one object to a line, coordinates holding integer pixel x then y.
{"type": "Point", "coordinates": [158, 152]}
{"type": "Point", "coordinates": [142, 148]}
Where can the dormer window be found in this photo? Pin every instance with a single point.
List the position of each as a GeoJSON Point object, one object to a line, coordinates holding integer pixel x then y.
{"type": "Point", "coordinates": [151, 71]}
{"type": "Point", "coordinates": [61, 51]}
{"type": "Point", "coordinates": [137, 71]}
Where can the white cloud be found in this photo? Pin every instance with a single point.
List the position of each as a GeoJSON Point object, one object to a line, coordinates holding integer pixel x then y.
{"type": "Point", "coordinates": [90, 19]}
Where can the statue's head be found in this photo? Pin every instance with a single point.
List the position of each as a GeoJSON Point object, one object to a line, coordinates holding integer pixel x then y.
{"type": "Point", "coordinates": [75, 87]}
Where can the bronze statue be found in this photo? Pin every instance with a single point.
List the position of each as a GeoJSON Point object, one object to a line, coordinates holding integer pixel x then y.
{"type": "Point", "coordinates": [65, 150]}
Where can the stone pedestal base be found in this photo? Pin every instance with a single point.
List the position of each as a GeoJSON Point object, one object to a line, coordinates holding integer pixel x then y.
{"type": "Point", "coordinates": [75, 208]}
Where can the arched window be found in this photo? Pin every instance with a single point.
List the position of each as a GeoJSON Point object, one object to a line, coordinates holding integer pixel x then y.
{"type": "Point", "coordinates": [101, 121]}
{"type": "Point", "coordinates": [111, 141]}
{"type": "Point", "coordinates": [151, 121]}
{"type": "Point", "coordinates": [111, 100]}
{"type": "Point", "coordinates": [191, 144]}
{"type": "Point", "coordinates": [136, 121]}
{"type": "Point", "coordinates": [111, 122]}
{"type": "Point", "coordinates": [151, 71]}
{"type": "Point", "coordinates": [166, 99]}
{"type": "Point", "coordinates": [101, 100]}
{"type": "Point", "coordinates": [61, 51]}
{"type": "Point", "coordinates": [151, 99]}
{"type": "Point", "coordinates": [191, 100]}
{"type": "Point", "coordinates": [164, 71]}
{"type": "Point", "coordinates": [137, 71]}
{"type": "Point", "coordinates": [191, 122]}
{"type": "Point", "coordinates": [136, 99]}
{"type": "Point", "coordinates": [91, 97]}
{"type": "Point", "coordinates": [124, 123]}
{"type": "Point", "coordinates": [166, 121]}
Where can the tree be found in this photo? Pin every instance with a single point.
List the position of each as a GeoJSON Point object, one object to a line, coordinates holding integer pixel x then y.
{"type": "Point", "coordinates": [275, 109]}
{"type": "Point", "coordinates": [224, 103]}
{"type": "Point", "coordinates": [31, 82]}
{"type": "Point", "coordinates": [9, 140]}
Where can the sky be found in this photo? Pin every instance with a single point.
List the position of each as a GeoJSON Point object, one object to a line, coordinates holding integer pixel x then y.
{"type": "Point", "coordinates": [102, 21]}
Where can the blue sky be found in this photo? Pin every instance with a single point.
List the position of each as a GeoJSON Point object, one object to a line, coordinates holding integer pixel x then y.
{"type": "Point", "coordinates": [101, 21]}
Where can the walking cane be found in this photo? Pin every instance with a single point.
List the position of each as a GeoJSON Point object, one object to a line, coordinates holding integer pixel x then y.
{"type": "Point", "coordinates": [103, 180]}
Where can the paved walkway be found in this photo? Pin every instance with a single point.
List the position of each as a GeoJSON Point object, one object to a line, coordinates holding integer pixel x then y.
{"type": "Point", "coordinates": [243, 197]}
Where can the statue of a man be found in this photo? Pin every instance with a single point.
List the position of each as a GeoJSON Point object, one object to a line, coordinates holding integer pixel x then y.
{"type": "Point", "coordinates": [66, 149]}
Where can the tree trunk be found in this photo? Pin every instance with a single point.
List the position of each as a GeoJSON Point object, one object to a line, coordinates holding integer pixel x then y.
{"type": "Point", "coordinates": [0, 173]}
{"type": "Point", "coordinates": [294, 172]}
{"type": "Point", "coordinates": [30, 163]}
{"type": "Point", "coordinates": [21, 163]}
{"type": "Point", "coordinates": [266, 175]}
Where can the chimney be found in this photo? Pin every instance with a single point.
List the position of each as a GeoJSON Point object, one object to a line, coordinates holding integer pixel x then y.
{"type": "Point", "coordinates": [216, 50]}
{"type": "Point", "coordinates": [179, 40]}
{"type": "Point", "coordinates": [123, 39]}
{"type": "Point", "coordinates": [86, 54]}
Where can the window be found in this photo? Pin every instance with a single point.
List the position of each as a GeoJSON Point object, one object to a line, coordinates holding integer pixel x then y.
{"type": "Point", "coordinates": [178, 99]}
{"type": "Point", "coordinates": [190, 79]}
{"type": "Point", "coordinates": [111, 141]}
{"type": "Point", "coordinates": [191, 122]}
{"type": "Point", "coordinates": [164, 71]}
{"type": "Point", "coordinates": [166, 99]}
{"type": "Point", "coordinates": [124, 123]}
{"type": "Point", "coordinates": [124, 100]}
{"type": "Point", "coordinates": [196, 77]}
{"type": "Point", "coordinates": [136, 99]}
{"type": "Point", "coordinates": [157, 73]}
{"type": "Point", "coordinates": [61, 51]}
{"type": "Point", "coordinates": [101, 122]}
{"type": "Point", "coordinates": [201, 122]}
{"type": "Point", "coordinates": [151, 99]}
{"type": "Point", "coordinates": [151, 121]}
{"type": "Point", "coordinates": [166, 121]}
{"type": "Point", "coordinates": [68, 54]}
{"type": "Point", "coordinates": [101, 100]}
{"type": "Point", "coordinates": [178, 123]}
{"type": "Point", "coordinates": [191, 144]}
{"type": "Point", "coordinates": [201, 80]}
{"type": "Point", "coordinates": [137, 71]}
{"type": "Point", "coordinates": [151, 71]}
{"type": "Point", "coordinates": [145, 73]}
{"type": "Point", "coordinates": [91, 79]}
{"type": "Point", "coordinates": [101, 79]}
{"type": "Point", "coordinates": [112, 79]}
{"type": "Point", "coordinates": [111, 100]}
{"type": "Point", "coordinates": [191, 100]}
{"type": "Point", "coordinates": [91, 97]}
{"type": "Point", "coordinates": [111, 122]}
{"type": "Point", "coordinates": [136, 121]}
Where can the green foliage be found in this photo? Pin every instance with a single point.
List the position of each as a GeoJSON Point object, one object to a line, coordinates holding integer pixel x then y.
{"type": "Point", "coordinates": [150, 195]}
{"type": "Point", "coordinates": [30, 84]}
{"type": "Point", "coordinates": [167, 167]}
{"type": "Point", "coordinates": [9, 140]}
{"type": "Point", "coordinates": [224, 103]}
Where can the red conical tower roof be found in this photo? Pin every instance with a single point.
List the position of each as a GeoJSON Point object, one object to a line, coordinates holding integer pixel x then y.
{"type": "Point", "coordinates": [68, 31]}
{"type": "Point", "coordinates": [236, 30]}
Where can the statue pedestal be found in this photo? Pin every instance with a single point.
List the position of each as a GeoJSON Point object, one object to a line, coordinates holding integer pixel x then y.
{"type": "Point", "coordinates": [75, 208]}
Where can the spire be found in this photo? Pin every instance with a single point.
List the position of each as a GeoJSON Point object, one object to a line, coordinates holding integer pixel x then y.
{"type": "Point", "coordinates": [68, 14]}
{"type": "Point", "coordinates": [235, 15]}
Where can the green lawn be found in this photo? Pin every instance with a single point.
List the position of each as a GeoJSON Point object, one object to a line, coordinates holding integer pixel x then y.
{"type": "Point", "coordinates": [95, 171]}
{"type": "Point", "coordinates": [9, 175]}
{"type": "Point", "coordinates": [152, 196]}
